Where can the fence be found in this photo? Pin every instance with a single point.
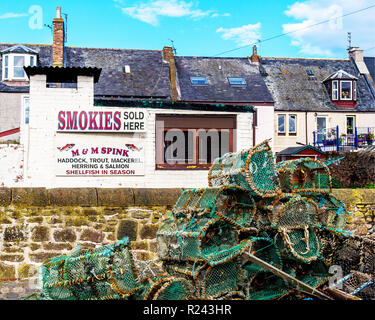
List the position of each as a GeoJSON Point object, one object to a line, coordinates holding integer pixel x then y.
{"type": "Point", "coordinates": [330, 139]}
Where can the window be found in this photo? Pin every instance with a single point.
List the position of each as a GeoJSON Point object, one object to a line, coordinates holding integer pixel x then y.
{"type": "Point", "coordinates": [191, 142]}
{"type": "Point", "coordinates": [350, 124]}
{"type": "Point", "coordinates": [126, 69]}
{"type": "Point", "coordinates": [237, 81]}
{"type": "Point", "coordinates": [355, 90]}
{"type": "Point", "coordinates": [309, 72]}
{"type": "Point", "coordinates": [13, 65]}
{"type": "Point", "coordinates": [281, 124]}
{"type": "Point", "coordinates": [346, 90]}
{"type": "Point", "coordinates": [6, 67]}
{"type": "Point", "coordinates": [19, 62]}
{"type": "Point", "coordinates": [321, 126]}
{"type": "Point", "coordinates": [292, 124]}
{"type": "Point", "coordinates": [25, 109]}
{"type": "Point", "coordinates": [335, 90]}
{"type": "Point", "coordinates": [198, 80]}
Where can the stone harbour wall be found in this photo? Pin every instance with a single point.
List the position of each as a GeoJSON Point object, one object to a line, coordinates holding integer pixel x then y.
{"type": "Point", "coordinates": [37, 224]}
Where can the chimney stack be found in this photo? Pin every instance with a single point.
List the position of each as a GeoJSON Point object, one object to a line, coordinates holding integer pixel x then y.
{"type": "Point", "coordinates": [58, 40]}
{"type": "Point", "coordinates": [168, 56]}
{"type": "Point", "coordinates": [356, 54]}
{"type": "Point", "coordinates": [255, 58]}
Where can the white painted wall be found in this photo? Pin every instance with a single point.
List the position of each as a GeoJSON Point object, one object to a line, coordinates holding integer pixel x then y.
{"type": "Point", "coordinates": [40, 158]}
{"type": "Point", "coordinates": [11, 165]}
{"type": "Point", "coordinates": [363, 119]}
{"type": "Point", "coordinates": [265, 126]}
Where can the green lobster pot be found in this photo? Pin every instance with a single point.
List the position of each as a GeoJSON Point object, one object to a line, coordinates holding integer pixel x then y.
{"type": "Point", "coordinates": [252, 169]}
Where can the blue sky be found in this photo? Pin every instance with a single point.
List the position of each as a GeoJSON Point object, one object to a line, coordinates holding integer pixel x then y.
{"type": "Point", "coordinates": [199, 28]}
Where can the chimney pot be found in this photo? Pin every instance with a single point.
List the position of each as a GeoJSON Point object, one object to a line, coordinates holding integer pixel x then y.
{"type": "Point", "coordinates": [58, 12]}
{"type": "Point", "coordinates": [58, 39]}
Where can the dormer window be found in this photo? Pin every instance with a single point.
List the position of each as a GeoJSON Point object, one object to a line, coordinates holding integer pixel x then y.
{"type": "Point", "coordinates": [14, 59]}
{"type": "Point", "coordinates": [342, 88]}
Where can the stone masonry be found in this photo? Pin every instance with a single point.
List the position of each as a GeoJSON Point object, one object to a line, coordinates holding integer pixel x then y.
{"type": "Point", "coordinates": [37, 224]}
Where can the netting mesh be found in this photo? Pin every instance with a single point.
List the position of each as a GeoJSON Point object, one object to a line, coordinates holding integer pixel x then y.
{"type": "Point", "coordinates": [304, 175]}
{"type": "Point", "coordinates": [258, 232]}
{"type": "Point", "coordinates": [105, 273]}
{"type": "Point", "coordinates": [252, 169]}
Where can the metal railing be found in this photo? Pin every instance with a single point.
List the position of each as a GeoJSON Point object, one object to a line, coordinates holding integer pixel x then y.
{"type": "Point", "coordinates": [331, 140]}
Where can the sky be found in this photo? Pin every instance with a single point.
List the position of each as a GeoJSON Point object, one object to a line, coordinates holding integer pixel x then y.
{"type": "Point", "coordinates": [279, 28]}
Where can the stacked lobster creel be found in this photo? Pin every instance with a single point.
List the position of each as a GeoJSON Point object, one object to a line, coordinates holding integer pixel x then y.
{"type": "Point", "coordinates": [211, 230]}
{"type": "Point", "coordinates": [293, 202]}
{"type": "Point", "coordinates": [201, 242]}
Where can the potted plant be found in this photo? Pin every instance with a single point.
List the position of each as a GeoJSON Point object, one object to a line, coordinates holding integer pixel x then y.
{"type": "Point", "coordinates": [361, 138]}
{"type": "Point", "coordinates": [370, 138]}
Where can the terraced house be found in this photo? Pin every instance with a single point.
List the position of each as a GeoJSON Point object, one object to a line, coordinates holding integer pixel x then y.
{"type": "Point", "coordinates": [328, 103]}
{"type": "Point", "coordinates": [204, 106]}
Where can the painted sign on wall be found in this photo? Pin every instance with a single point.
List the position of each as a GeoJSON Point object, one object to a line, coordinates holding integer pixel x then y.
{"type": "Point", "coordinates": [102, 120]}
{"type": "Point", "coordinates": [76, 159]}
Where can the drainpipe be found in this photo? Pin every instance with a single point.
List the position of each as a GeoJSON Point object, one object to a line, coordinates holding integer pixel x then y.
{"type": "Point", "coordinates": [306, 133]}
{"type": "Point", "coordinates": [255, 124]}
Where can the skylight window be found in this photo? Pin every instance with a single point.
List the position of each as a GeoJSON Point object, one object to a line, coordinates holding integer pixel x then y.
{"type": "Point", "coordinates": [309, 72]}
{"type": "Point", "coordinates": [126, 69]}
{"type": "Point", "coordinates": [236, 81]}
{"type": "Point", "coordinates": [198, 80]}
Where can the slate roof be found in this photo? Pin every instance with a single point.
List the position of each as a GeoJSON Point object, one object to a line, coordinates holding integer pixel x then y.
{"type": "Point", "coordinates": [149, 75]}
{"type": "Point", "coordinates": [370, 63]}
{"type": "Point", "coordinates": [19, 48]}
{"type": "Point", "coordinates": [294, 90]}
{"type": "Point", "coordinates": [218, 89]}
{"type": "Point", "coordinates": [341, 74]}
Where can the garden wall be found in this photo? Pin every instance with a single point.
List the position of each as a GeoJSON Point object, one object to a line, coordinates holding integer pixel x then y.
{"type": "Point", "coordinates": [37, 224]}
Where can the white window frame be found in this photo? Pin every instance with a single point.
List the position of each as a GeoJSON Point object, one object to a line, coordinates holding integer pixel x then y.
{"type": "Point", "coordinates": [11, 57]}
{"type": "Point", "coordinates": [351, 90]}
{"type": "Point", "coordinates": [6, 59]}
{"type": "Point", "coordinates": [290, 116]}
{"type": "Point", "coordinates": [23, 110]}
{"type": "Point", "coordinates": [335, 90]}
{"type": "Point", "coordinates": [355, 90]}
{"type": "Point", "coordinates": [346, 123]}
{"type": "Point", "coordinates": [278, 130]}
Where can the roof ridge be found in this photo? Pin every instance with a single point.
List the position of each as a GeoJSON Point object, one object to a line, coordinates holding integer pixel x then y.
{"type": "Point", "coordinates": [77, 47]}
{"type": "Point", "coordinates": [295, 58]}
{"type": "Point", "coordinates": [114, 49]}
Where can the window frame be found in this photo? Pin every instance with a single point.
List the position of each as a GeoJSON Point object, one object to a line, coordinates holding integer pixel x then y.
{"type": "Point", "coordinates": [290, 116]}
{"type": "Point", "coordinates": [351, 90]}
{"type": "Point", "coordinates": [195, 124]}
{"type": "Point", "coordinates": [335, 90]}
{"type": "Point", "coordinates": [10, 57]}
{"type": "Point", "coordinates": [281, 133]}
{"type": "Point", "coordinates": [346, 123]}
{"type": "Point", "coordinates": [243, 83]}
{"type": "Point", "coordinates": [18, 67]}
{"type": "Point", "coordinates": [198, 77]}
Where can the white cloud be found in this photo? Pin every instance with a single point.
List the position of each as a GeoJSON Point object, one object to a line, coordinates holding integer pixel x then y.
{"type": "Point", "coordinates": [11, 15]}
{"type": "Point", "coordinates": [329, 39]}
{"type": "Point", "coordinates": [151, 11]}
{"type": "Point", "coordinates": [242, 36]}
